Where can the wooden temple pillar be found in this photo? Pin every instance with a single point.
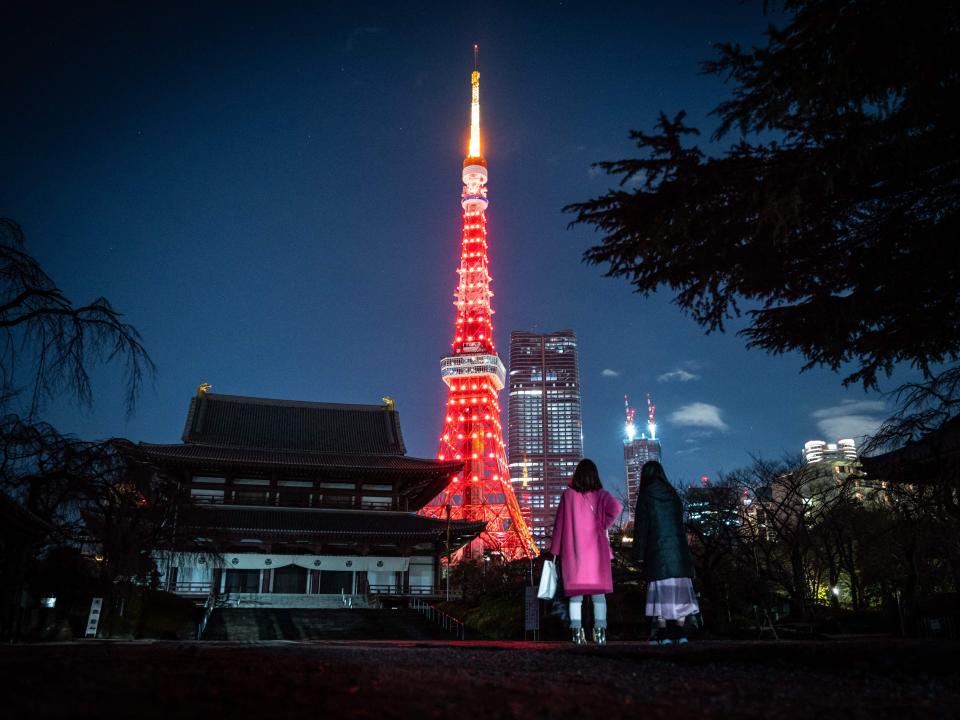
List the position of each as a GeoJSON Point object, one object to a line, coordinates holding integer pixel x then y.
{"type": "Point", "coordinates": [172, 578]}
{"type": "Point", "coordinates": [437, 568]}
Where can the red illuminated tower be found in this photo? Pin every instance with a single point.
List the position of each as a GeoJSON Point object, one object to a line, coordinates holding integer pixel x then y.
{"type": "Point", "coordinates": [475, 375]}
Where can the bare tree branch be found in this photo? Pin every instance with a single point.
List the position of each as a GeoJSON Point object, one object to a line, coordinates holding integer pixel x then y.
{"type": "Point", "coordinates": [48, 343]}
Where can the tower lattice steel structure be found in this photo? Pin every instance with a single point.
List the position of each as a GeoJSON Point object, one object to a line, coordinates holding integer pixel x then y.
{"type": "Point", "coordinates": [475, 375]}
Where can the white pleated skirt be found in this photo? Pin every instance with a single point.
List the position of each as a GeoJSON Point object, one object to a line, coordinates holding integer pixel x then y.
{"type": "Point", "coordinates": [671, 599]}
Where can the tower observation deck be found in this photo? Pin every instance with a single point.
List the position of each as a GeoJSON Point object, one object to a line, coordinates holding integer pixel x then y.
{"type": "Point", "coordinates": [474, 375]}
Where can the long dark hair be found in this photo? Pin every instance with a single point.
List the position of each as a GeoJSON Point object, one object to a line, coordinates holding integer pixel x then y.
{"type": "Point", "coordinates": [652, 470]}
{"type": "Point", "coordinates": [586, 477]}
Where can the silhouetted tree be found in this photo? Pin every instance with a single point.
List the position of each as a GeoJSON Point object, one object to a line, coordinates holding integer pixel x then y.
{"type": "Point", "coordinates": [830, 220]}
{"type": "Point", "coordinates": [713, 529]}
{"type": "Point", "coordinates": [105, 497]}
{"type": "Point", "coordinates": [80, 491]}
{"type": "Point", "coordinates": [47, 343]}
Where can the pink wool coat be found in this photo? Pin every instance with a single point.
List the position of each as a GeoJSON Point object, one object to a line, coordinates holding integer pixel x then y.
{"type": "Point", "coordinates": [580, 541]}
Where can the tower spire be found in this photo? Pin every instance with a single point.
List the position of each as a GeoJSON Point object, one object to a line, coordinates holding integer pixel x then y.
{"type": "Point", "coordinates": [651, 422]}
{"type": "Point", "coordinates": [474, 148]}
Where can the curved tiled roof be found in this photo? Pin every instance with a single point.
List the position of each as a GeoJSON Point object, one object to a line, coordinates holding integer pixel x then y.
{"type": "Point", "coordinates": [193, 453]}
{"type": "Point", "coordinates": [292, 425]}
{"type": "Point", "coordinates": [17, 521]}
{"type": "Point", "coordinates": [225, 432]}
{"type": "Point", "coordinates": [330, 523]}
{"type": "Point", "coordinates": [931, 459]}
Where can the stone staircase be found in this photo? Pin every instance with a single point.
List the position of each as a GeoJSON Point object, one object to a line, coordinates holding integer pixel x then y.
{"type": "Point", "coordinates": [299, 601]}
{"type": "Point", "coordinates": [242, 624]}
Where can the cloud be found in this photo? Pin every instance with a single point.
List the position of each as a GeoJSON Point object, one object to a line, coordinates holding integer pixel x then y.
{"type": "Point", "coordinates": [849, 407]}
{"type": "Point", "coordinates": [699, 414]}
{"type": "Point", "coordinates": [679, 375]}
{"type": "Point", "coordinates": [688, 451]}
{"type": "Point", "coordinates": [607, 372]}
{"type": "Point", "coordinates": [850, 419]}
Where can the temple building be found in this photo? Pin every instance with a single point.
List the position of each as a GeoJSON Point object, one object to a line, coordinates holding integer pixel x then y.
{"type": "Point", "coordinates": [297, 504]}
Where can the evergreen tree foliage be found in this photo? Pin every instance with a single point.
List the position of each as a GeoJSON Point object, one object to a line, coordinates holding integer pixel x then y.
{"type": "Point", "coordinates": [830, 220]}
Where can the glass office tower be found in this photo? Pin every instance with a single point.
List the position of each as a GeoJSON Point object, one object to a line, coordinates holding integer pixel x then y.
{"type": "Point", "coordinates": [545, 431]}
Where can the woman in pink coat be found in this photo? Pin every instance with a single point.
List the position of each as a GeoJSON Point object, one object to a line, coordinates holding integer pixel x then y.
{"type": "Point", "coordinates": [581, 545]}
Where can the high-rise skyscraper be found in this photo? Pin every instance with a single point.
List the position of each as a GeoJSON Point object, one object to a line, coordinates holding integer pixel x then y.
{"type": "Point", "coordinates": [830, 466]}
{"type": "Point", "coordinates": [545, 424]}
{"type": "Point", "coordinates": [712, 509]}
{"type": "Point", "coordinates": [844, 451]}
{"type": "Point", "coordinates": [638, 451]}
{"type": "Point", "coordinates": [475, 375]}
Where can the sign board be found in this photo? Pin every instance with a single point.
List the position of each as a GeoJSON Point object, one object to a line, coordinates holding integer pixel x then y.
{"type": "Point", "coordinates": [531, 615]}
{"type": "Point", "coordinates": [472, 347]}
{"type": "Point", "coordinates": [93, 621]}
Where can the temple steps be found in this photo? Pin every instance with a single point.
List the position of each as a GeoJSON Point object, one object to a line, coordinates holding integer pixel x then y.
{"type": "Point", "coordinates": [252, 624]}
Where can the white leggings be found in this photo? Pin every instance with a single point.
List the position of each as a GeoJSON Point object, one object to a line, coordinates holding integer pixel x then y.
{"type": "Point", "coordinates": [599, 611]}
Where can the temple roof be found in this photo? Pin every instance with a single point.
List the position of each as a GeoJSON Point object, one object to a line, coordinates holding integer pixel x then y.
{"type": "Point", "coordinates": [291, 425]}
{"type": "Point", "coordinates": [352, 525]}
{"type": "Point", "coordinates": [417, 479]}
{"type": "Point", "coordinates": [933, 458]}
{"type": "Point", "coordinates": [193, 454]}
{"type": "Point", "coordinates": [226, 432]}
{"type": "Point", "coordinates": [18, 522]}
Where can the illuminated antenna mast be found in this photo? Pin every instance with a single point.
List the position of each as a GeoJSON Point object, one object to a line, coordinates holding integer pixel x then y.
{"type": "Point", "coordinates": [474, 150]}
{"type": "Point", "coordinates": [651, 423]}
{"type": "Point", "coordinates": [630, 429]}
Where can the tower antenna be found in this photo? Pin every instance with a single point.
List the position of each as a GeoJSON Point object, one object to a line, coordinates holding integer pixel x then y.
{"type": "Point", "coordinates": [651, 423]}
{"type": "Point", "coordinates": [473, 150]}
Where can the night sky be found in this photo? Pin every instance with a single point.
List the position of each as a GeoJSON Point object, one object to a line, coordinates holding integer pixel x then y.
{"type": "Point", "coordinates": [270, 193]}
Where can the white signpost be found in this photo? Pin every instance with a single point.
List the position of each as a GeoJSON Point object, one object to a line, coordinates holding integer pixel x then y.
{"type": "Point", "coordinates": [93, 621]}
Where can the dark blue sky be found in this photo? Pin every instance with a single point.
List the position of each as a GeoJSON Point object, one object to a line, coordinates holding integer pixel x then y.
{"type": "Point", "coordinates": [270, 193]}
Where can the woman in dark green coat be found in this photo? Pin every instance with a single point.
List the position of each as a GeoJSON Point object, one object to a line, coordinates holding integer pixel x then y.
{"type": "Point", "coordinates": [660, 543]}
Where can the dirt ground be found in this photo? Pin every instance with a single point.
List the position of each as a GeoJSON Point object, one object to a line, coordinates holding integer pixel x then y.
{"type": "Point", "coordinates": [384, 680]}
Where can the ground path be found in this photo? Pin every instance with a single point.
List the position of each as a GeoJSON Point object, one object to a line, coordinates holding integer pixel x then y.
{"type": "Point", "coordinates": [876, 678]}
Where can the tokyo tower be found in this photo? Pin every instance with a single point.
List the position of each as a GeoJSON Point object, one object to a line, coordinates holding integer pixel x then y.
{"type": "Point", "coordinates": [474, 375]}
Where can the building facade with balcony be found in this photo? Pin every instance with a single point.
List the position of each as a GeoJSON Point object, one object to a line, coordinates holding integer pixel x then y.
{"type": "Point", "coordinates": [297, 503]}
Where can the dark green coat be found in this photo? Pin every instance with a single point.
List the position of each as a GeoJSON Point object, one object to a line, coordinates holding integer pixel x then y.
{"type": "Point", "coordinates": [659, 539]}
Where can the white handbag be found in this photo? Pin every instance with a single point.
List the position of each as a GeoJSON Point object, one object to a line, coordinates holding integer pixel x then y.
{"type": "Point", "coordinates": [548, 581]}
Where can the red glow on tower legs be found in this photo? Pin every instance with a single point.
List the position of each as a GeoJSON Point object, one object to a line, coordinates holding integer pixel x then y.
{"type": "Point", "coordinates": [474, 374]}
